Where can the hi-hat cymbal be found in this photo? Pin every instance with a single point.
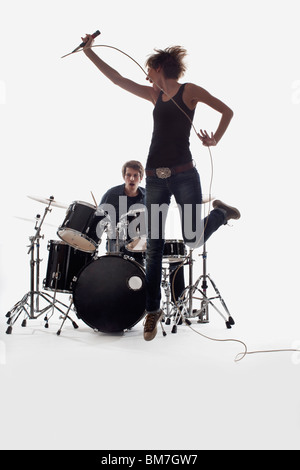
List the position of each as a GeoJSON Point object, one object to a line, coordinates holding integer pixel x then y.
{"type": "Point", "coordinates": [54, 203]}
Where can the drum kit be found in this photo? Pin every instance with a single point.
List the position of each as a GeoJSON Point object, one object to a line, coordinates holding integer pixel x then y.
{"type": "Point", "coordinates": [106, 292]}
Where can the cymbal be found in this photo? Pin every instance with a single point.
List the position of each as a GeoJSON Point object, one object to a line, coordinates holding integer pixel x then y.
{"type": "Point", "coordinates": [54, 203]}
{"type": "Point", "coordinates": [32, 221]}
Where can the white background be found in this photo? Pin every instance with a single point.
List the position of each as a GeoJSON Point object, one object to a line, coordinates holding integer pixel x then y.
{"type": "Point", "coordinates": [66, 131]}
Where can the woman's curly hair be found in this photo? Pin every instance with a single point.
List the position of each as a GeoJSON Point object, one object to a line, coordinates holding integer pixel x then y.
{"type": "Point", "coordinates": [170, 60]}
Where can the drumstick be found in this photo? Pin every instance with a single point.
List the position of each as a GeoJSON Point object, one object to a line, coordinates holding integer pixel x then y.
{"type": "Point", "coordinates": [94, 199]}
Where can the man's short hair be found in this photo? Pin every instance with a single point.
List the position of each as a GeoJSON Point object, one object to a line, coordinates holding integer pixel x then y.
{"type": "Point", "coordinates": [135, 165]}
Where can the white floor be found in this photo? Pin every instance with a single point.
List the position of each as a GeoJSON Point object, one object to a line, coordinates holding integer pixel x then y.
{"type": "Point", "coordinates": [87, 390]}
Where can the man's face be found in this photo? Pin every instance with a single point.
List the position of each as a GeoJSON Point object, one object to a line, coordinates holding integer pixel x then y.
{"type": "Point", "coordinates": [132, 179]}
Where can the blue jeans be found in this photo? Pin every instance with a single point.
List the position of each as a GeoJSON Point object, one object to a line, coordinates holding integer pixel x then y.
{"type": "Point", "coordinates": [186, 188]}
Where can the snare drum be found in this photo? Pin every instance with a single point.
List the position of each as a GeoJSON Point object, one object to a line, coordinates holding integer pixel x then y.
{"type": "Point", "coordinates": [79, 227]}
{"type": "Point", "coordinates": [174, 251]}
{"type": "Point", "coordinates": [137, 245]}
{"type": "Point", "coordinates": [64, 263]}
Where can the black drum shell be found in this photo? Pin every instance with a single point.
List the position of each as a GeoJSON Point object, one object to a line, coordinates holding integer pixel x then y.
{"type": "Point", "coordinates": [79, 228]}
{"type": "Point", "coordinates": [174, 250]}
{"type": "Point", "coordinates": [102, 295]}
{"type": "Point", "coordinates": [64, 263]}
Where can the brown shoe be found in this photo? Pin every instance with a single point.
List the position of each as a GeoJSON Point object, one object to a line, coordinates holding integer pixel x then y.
{"type": "Point", "coordinates": [150, 325]}
{"type": "Point", "coordinates": [230, 212]}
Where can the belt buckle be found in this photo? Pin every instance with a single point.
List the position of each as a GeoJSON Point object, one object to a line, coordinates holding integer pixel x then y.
{"type": "Point", "coordinates": [163, 173]}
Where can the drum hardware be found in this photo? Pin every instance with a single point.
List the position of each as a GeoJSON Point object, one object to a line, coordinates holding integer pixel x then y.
{"type": "Point", "coordinates": [188, 296]}
{"type": "Point", "coordinates": [63, 315]}
{"type": "Point", "coordinates": [185, 303]}
{"type": "Point", "coordinates": [106, 226]}
{"type": "Point", "coordinates": [170, 309]}
{"type": "Point", "coordinates": [29, 305]}
{"type": "Point", "coordinates": [121, 231]}
{"type": "Point", "coordinates": [130, 258]}
{"type": "Point", "coordinates": [58, 277]}
{"type": "Point", "coordinates": [66, 316]}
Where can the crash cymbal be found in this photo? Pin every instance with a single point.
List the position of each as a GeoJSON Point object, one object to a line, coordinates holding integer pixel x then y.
{"type": "Point", "coordinates": [54, 203]}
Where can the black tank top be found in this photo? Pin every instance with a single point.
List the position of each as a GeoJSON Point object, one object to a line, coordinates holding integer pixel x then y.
{"type": "Point", "coordinates": [170, 145]}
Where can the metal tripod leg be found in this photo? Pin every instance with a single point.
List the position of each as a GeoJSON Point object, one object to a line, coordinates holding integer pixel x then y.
{"type": "Point", "coordinates": [25, 306]}
{"type": "Point", "coordinates": [206, 301]}
{"type": "Point", "coordinates": [170, 308]}
{"type": "Point", "coordinates": [190, 295]}
{"type": "Point", "coordinates": [65, 317]}
{"type": "Point", "coordinates": [30, 302]}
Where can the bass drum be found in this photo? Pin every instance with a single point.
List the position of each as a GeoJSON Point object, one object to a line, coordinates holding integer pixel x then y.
{"type": "Point", "coordinates": [109, 294]}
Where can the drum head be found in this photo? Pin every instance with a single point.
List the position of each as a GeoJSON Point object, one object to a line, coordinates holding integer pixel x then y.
{"type": "Point", "coordinates": [109, 295]}
{"type": "Point", "coordinates": [137, 245]}
{"type": "Point", "coordinates": [79, 227]}
{"type": "Point", "coordinates": [77, 240]}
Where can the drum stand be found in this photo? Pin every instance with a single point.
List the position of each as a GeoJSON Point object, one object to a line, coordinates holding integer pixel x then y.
{"type": "Point", "coordinates": [30, 303]}
{"type": "Point", "coordinates": [186, 301]}
{"type": "Point", "coordinates": [169, 308]}
{"type": "Point", "coordinates": [172, 311]}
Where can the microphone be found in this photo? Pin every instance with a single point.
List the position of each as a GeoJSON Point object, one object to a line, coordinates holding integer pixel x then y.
{"type": "Point", "coordinates": [97, 33]}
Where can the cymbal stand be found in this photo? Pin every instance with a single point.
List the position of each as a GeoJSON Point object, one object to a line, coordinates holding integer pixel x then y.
{"type": "Point", "coordinates": [30, 302]}
{"type": "Point", "coordinates": [188, 296]}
